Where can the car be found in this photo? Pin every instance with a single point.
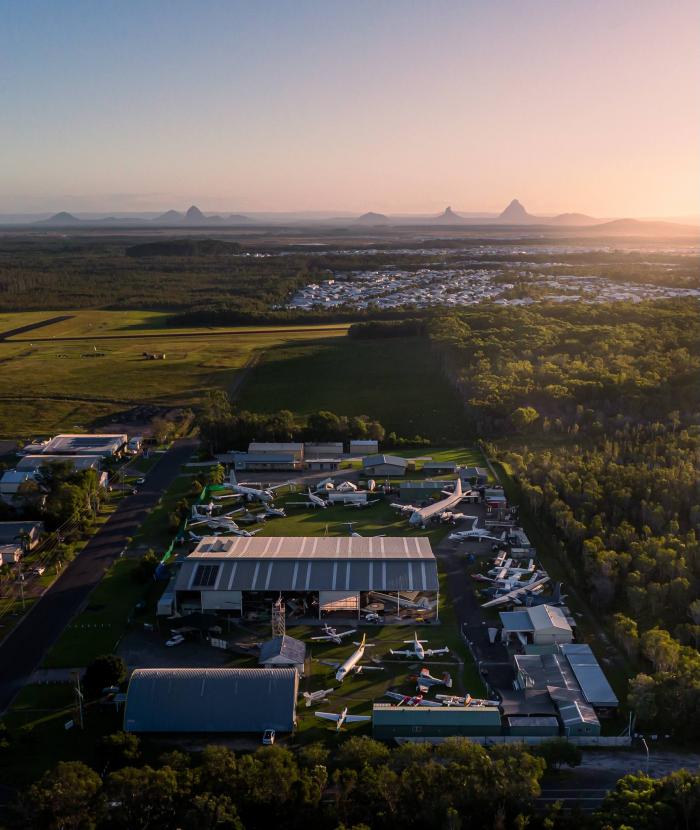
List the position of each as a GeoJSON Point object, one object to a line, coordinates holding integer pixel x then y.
{"type": "Point", "coordinates": [175, 640]}
{"type": "Point", "coordinates": [140, 480]}
{"type": "Point", "coordinates": [38, 570]}
{"type": "Point", "coordinates": [268, 737]}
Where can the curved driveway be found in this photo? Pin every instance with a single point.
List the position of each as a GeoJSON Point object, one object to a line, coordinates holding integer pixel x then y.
{"type": "Point", "coordinates": [23, 649]}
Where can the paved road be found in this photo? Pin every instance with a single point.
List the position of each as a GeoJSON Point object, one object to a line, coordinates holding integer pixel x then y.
{"type": "Point", "coordinates": [22, 651]}
{"type": "Point", "coordinates": [32, 326]}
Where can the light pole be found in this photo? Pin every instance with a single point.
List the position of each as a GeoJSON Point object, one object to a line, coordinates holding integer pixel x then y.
{"type": "Point", "coordinates": [646, 749]}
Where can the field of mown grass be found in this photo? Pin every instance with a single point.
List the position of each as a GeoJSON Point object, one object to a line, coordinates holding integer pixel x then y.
{"type": "Point", "coordinates": [395, 380]}
{"type": "Point", "coordinates": [49, 383]}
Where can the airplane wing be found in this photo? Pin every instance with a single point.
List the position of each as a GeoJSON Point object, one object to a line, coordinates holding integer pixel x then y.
{"type": "Point", "coordinates": [432, 651]}
{"type": "Point", "coordinates": [329, 716]}
{"type": "Point", "coordinates": [402, 653]}
{"type": "Point", "coordinates": [360, 669]}
{"type": "Point", "coordinates": [347, 633]}
{"type": "Point", "coordinates": [356, 718]}
{"type": "Point", "coordinates": [330, 663]}
{"type": "Point", "coordinates": [323, 639]}
{"type": "Point", "coordinates": [433, 703]}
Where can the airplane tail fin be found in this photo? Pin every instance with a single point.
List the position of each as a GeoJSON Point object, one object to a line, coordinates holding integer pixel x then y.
{"type": "Point", "coordinates": [447, 680]}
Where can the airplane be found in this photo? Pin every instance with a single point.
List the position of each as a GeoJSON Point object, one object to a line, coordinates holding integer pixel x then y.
{"type": "Point", "coordinates": [478, 533]}
{"type": "Point", "coordinates": [514, 596]}
{"type": "Point", "coordinates": [201, 511]}
{"type": "Point", "coordinates": [353, 533]}
{"type": "Point", "coordinates": [331, 635]}
{"type": "Point", "coordinates": [253, 493]}
{"type": "Point", "coordinates": [411, 700]}
{"type": "Point", "coordinates": [467, 700]}
{"type": "Point", "coordinates": [555, 598]}
{"type": "Point", "coordinates": [312, 501]}
{"type": "Point", "coordinates": [272, 512]}
{"type": "Point", "coordinates": [321, 696]}
{"type": "Point", "coordinates": [350, 665]}
{"type": "Point", "coordinates": [417, 649]}
{"type": "Point", "coordinates": [424, 680]}
{"type": "Point", "coordinates": [360, 505]}
{"type": "Point", "coordinates": [422, 604]}
{"type": "Point", "coordinates": [342, 718]}
{"type": "Point", "coordinates": [194, 537]}
{"type": "Point", "coordinates": [217, 523]}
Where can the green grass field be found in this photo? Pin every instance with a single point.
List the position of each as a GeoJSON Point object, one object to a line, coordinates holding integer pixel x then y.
{"type": "Point", "coordinates": [396, 381]}
{"type": "Point", "coordinates": [49, 383]}
{"type": "Point", "coordinates": [99, 627]}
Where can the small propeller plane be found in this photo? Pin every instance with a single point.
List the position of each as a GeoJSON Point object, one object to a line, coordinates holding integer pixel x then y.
{"type": "Point", "coordinates": [351, 664]}
{"type": "Point", "coordinates": [417, 649]}
{"type": "Point", "coordinates": [331, 635]}
{"type": "Point", "coordinates": [411, 700]}
{"type": "Point", "coordinates": [342, 718]}
{"type": "Point", "coordinates": [321, 696]}
{"type": "Point", "coordinates": [312, 500]}
{"type": "Point", "coordinates": [424, 680]}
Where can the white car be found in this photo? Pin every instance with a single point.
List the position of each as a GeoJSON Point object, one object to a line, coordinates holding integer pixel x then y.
{"type": "Point", "coordinates": [140, 480]}
{"type": "Point", "coordinates": [268, 737]}
{"type": "Point", "coordinates": [175, 640]}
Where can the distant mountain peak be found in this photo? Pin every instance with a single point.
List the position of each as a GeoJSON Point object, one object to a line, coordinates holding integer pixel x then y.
{"type": "Point", "coordinates": [448, 215]}
{"type": "Point", "coordinates": [372, 218]}
{"type": "Point", "coordinates": [61, 218]}
{"type": "Point", "coordinates": [194, 214]}
{"type": "Point", "coordinates": [515, 212]}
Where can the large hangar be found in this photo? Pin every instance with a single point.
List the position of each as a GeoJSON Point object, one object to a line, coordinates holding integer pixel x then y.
{"type": "Point", "coordinates": [395, 577]}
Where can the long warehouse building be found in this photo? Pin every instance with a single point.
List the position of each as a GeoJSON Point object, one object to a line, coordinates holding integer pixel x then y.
{"type": "Point", "coordinates": [393, 576]}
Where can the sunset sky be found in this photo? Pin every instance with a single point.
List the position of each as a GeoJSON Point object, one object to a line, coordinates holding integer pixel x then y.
{"type": "Point", "coordinates": [348, 105]}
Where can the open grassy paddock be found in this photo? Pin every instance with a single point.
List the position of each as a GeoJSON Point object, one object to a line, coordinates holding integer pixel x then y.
{"type": "Point", "coordinates": [395, 380]}
{"type": "Point", "coordinates": [65, 375]}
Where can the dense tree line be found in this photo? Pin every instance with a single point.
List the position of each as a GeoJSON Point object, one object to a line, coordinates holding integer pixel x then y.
{"type": "Point", "coordinates": [607, 398]}
{"type": "Point", "coordinates": [580, 368]}
{"type": "Point", "coordinates": [365, 784]}
{"type": "Point", "coordinates": [222, 428]}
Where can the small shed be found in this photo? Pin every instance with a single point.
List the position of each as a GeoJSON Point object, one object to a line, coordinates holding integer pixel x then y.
{"type": "Point", "coordinates": [540, 624]}
{"type": "Point", "coordinates": [439, 468]}
{"type": "Point", "coordinates": [384, 465]}
{"type": "Point", "coordinates": [363, 446]}
{"type": "Point", "coordinates": [283, 651]}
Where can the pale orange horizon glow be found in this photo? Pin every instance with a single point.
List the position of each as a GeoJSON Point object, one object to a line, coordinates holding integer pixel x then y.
{"type": "Point", "coordinates": [395, 107]}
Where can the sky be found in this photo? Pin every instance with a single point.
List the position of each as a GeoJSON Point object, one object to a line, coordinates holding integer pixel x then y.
{"type": "Point", "coordinates": [348, 105]}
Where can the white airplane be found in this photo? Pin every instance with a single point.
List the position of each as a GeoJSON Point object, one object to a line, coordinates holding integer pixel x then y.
{"type": "Point", "coordinates": [516, 595]}
{"type": "Point", "coordinates": [352, 532]}
{"type": "Point", "coordinates": [417, 649]}
{"type": "Point", "coordinates": [201, 511]}
{"type": "Point", "coordinates": [351, 664]}
{"type": "Point", "coordinates": [321, 696]}
{"type": "Point", "coordinates": [342, 718]}
{"type": "Point", "coordinates": [476, 533]}
{"type": "Point", "coordinates": [467, 700]}
{"type": "Point", "coordinates": [360, 505]}
{"type": "Point", "coordinates": [424, 680]}
{"type": "Point", "coordinates": [272, 512]}
{"type": "Point", "coordinates": [411, 700]}
{"type": "Point", "coordinates": [331, 635]}
{"type": "Point", "coordinates": [422, 515]}
{"type": "Point", "coordinates": [312, 501]}
{"type": "Point", "coordinates": [253, 493]}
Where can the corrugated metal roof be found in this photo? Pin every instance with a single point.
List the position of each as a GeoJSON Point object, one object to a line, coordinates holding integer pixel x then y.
{"type": "Point", "coordinates": [342, 574]}
{"type": "Point", "coordinates": [211, 700]}
{"type": "Point", "coordinates": [374, 460]}
{"type": "Point", "coordinates": [313, 547]}
{"type": "Point", "coordinates": [285, 646]}
{"type": "Point", "coordinates": [590, 676]}
{"type": "Point", "coordinates": [82, 443]}
{"type": "Point", "coordinates": [536, 618]}
{"type": "Point", "coordinates": [272, 446]}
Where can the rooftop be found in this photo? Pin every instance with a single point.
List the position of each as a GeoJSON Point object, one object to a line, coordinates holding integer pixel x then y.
{"type": "Point", "coordinates": [79, 443]}
{"type": "Point", "coordinates": [536, 618]}
{"type": "Point", "coordinates": [380, 458]}
{"type": "Point", "coordinates": [211, 700]}
{"type": "Point", "coordinates": [273, 446]}
{"type": "Point", "coordinates": [589, 674]}
{"type": "Point", "coordinates": [10, 531]}
{"type": "Point", "coordinates": [313, 547]}
{"type": "Point", "coordinates": [285, 646]}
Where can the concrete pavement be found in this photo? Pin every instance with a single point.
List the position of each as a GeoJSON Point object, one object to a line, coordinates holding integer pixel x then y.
{"type": "Point", "coordinates": [23, 649]}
